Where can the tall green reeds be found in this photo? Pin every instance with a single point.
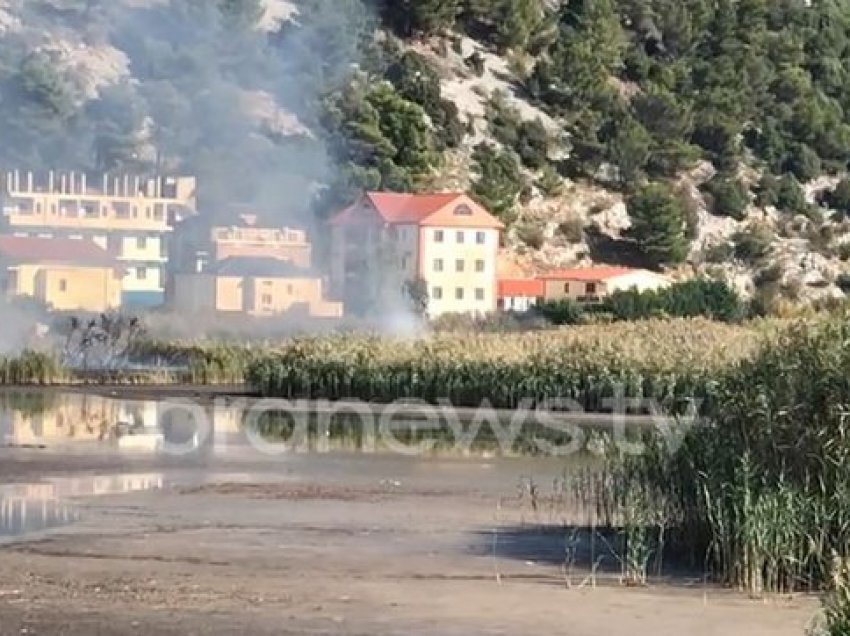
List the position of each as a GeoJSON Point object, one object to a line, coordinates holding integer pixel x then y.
{"type": "Point", "coordinates": [31, 368]}
{"type": "Point", "coordinates": [670, 361]}
{"type": "Point", "coordinates": [761, 491]}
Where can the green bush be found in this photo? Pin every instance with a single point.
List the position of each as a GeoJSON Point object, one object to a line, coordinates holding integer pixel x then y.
{"type": "Point", "coordinates": [753, 244]}
{"type": "Point", "coordinates": [729, 197]}
{"type": "Point", "coordinates": [789, 196]}
{"type": "Point", "coordinates": [839, 198]}
{"type": "Point", "coordinates": [561, 312]}
{"type": "Point", "coordinates": [697, 297]}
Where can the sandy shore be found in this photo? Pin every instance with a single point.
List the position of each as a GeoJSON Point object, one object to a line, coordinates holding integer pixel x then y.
{"type": "Point", "coordinates": [332, 544]}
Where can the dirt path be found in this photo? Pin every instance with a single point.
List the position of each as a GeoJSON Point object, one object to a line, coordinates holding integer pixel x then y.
{"type": "Point", "coordinates": [334, 545]}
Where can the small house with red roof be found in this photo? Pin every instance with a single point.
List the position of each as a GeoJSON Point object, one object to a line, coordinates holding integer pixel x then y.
{"type": "Point", "coordinates": [592, 284]}
{"type": "Point", "coordinates": [447, 241]}
{"type": "Point", "coordinates": [63, 274]}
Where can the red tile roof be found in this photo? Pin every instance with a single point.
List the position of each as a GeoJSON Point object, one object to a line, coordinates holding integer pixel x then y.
{"type": "Point", "coordinates": [526, 287]}
{"type": "Point", "coordinates": [412, 209]}
{"type": "Point", "coordinates": [54, 250]}
{"type": "Point", "coordinates": [590, 274]}
{"type": "Point", "coordinates": [409, 208]}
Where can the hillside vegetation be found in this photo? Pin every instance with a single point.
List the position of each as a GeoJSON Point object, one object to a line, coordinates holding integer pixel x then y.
{"type": "Point", "coordinates": [715, 132]}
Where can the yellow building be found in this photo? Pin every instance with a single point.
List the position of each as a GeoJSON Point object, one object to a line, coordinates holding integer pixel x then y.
{"type": "Point", "coordinates": [62, 274]}
{"type": "Point", "coordinates": [592, 284]}
{"type": "Point", "coordinates": [446, 240]}
{"type": "Point", "coordinates": [128, 216]}
{"type": "Point", "coordinates": [253, 286]}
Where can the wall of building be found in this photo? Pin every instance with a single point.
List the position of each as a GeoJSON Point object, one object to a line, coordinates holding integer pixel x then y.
{"type": "Point", "coordinates": [229, 293]}
{"type": "Point", "coordinates": [265, 296]}
{"type": "Point", "coordinates": [70, 288]}
{"type": "Point", "coordinates": [518, 303]}
{"type": "Point", "coordinates": [574, 290]}
{"type": "Point", "coordinates": [439, 266]}
{"type": "Point", "coordinates": [581, 290]}
{"type": "Point", "coordinates": [280, 243]}
{"type": "Point", "coordinates": [269, 296]}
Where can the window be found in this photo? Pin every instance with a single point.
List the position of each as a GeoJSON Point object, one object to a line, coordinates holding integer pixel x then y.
{"type": "Point", "coordinates": [439, 237]}
{"type": "Point", "coordinates": [141, 243]}
{"type": "Point", "coordinates": [479, 294]}
{"type": "Point", "coordinates": [463, 210]}
{"type": "Point", "coordinates": [460, 236]}
{"type": "Point", "coordinates": [479, 266]}
{"type": "Point", "coordinates": [289, 290]}
{"type": "Point", "coordinates": [438, 264]}
{"type": "Point", "coordinates": [480, 238]}
{"type": "Point", "coordinates": [38, 208]}
{"type": "Point", "coordinates": [267, 299]}
{"type": "Point", "coordinates": [459, 265]}
{"type": "Point", "coordinates": [141, 273]}
{"type": "Point", "coordinates": [459, 293]}
{"type": "Point", "coordinates": [63, 285]}
{"type": "Point", "coordinates": [566, 288]}
{"type": "Point", "coordinates": [590, 289]}
{"type": "Point", "coordinates": [437, 293]}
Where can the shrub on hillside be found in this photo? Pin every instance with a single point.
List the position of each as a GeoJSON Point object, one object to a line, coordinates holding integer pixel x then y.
{"type": "Point", "coordinates": [728, 196]}
{"type": "Point", "coordinates": [752, 244]}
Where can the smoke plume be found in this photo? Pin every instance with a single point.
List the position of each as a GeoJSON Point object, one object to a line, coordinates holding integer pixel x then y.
{"type": "Point", "coordinates": [227, 90]}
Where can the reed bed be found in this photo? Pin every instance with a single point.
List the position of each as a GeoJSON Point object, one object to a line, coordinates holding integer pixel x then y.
{"type": "Point", "coordinates": [669, 360]}
{"type": "Point", "coordinates": [205, 363]}
{"type": "Point", "coordinates": [760, 494]}
{"type": "Point", "coordinates": [31, 368]}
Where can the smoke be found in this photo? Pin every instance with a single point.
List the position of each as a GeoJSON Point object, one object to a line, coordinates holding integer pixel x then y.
{"type": "Point", "coordinates": [227, 90]}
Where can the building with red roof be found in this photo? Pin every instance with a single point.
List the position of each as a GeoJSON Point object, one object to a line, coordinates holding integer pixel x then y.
{"type": "Point", "coordinates": [592, 284]}
{"type": "Point", "coordinates": [520, 294]}
{"type": "Point", "coordinates": [63, 274]}
{"type": "Point", "coordinates": [448, 241]}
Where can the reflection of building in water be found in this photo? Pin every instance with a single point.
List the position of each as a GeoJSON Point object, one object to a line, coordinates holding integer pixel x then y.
{"type": "Point", "coordinates": [72, 417]}
{"type": "Point", "coordinates": [80, 417]}
{"type": "Point", "coordinates": [32, 507]}
{"type": "Point", "coordinates": [18, 516]}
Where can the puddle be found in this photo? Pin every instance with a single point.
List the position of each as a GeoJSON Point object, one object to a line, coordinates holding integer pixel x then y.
{"type": "Point", "coordinates": [28, 508]}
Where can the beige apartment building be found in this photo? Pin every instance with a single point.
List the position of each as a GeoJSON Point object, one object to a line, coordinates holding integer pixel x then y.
{"type": "Point", "coordinates": [250, 270]}
{"type": "Point", "coordinates": [446, 240]}
{"type": "Point", "coordinates": [130, 217]}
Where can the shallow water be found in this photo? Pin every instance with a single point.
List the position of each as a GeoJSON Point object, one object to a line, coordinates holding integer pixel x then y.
{"type": "Point", "coordinates": [74, 419]}
{"type": "Point", "coordinates": [33, 507]}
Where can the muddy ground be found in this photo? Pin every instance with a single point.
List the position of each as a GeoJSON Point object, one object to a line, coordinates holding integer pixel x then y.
{"type": "Point", "coordinates": [334, 544]}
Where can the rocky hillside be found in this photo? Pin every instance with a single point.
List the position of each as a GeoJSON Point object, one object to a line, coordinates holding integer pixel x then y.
{"type": "Point", "coordinates": [699, 136]}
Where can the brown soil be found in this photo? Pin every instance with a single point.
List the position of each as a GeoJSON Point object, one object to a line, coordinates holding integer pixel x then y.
{"type": "Point", "coordinates": [336, 545]}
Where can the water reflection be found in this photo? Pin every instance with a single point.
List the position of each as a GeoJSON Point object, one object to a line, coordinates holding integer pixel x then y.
{"type": "Point", "coordinates": [134, 425]}
{"type": "Point", "coordinates": [37, 418]}
{"type": "Point", "coordinates": [26, 508]}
